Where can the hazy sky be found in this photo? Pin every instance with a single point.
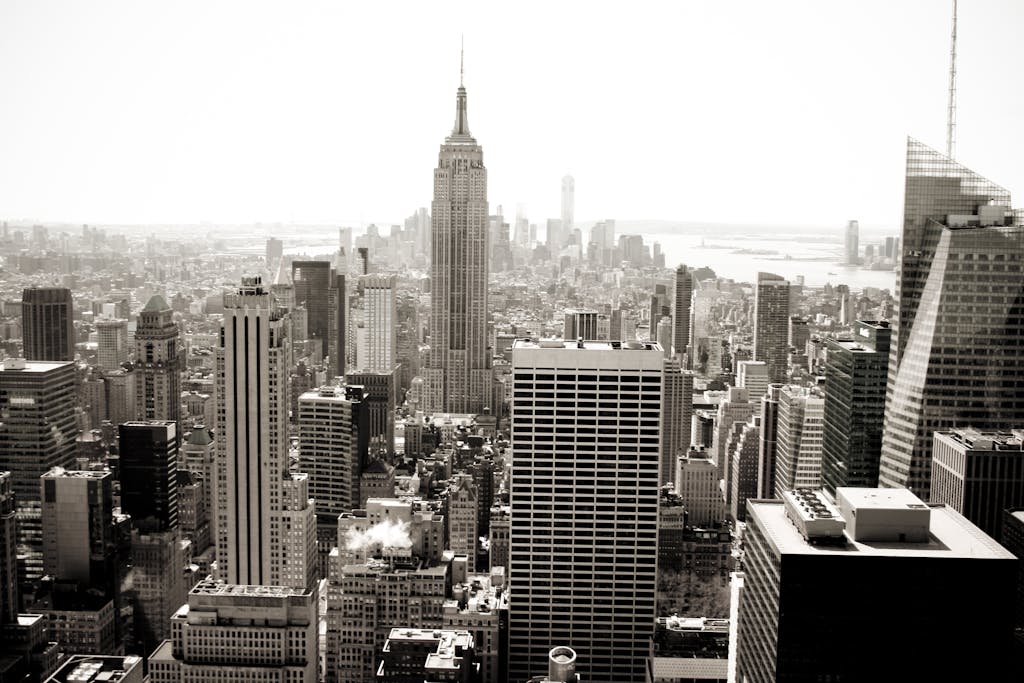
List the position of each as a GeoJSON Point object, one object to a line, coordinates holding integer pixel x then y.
{"type": "Point", "coordinates": [752, 112]}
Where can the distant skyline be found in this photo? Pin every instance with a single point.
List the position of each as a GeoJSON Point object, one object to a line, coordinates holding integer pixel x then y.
{"type": "Point", "coordinates": [320, 112]}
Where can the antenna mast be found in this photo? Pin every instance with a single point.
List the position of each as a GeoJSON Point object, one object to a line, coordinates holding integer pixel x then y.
{"type": "Point", "coordinates": [462, 54]}
{"type": "Point", "coordinates": [951, 111]}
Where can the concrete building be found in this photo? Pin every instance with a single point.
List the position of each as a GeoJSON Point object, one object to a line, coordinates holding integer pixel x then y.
{"type": "Point", "coordinates": [198, 454]}
{"type": "Point", "coordinates": [560, 536]}
{"type": "Point", "coordinates": [479, 604]}
{"type": "Point", "coordinates": [771, 325]}
{"type": "Point", "coordinates": [743, 468]}
{"type": "Point", "coordinates": [157, 583]}
{"type": "Point", "coordinates": [501, 529]}
{"type": "Point", "coordinates": [457, 375]}
{"type": "Point", "coordinates": [735, 408]}
{"type": "Point", "coordinates": [233, 633]}
{"type": "Point", "coordinates": [462, 518]}
{"type": "Point", "coordinates": [252, 456]}
{"type": "Point", "coordinates": [697, 485]}
{"type": "Point", "coordinates": [979, 474]}
{"type": "Point", "coordinates": [800, 426]}
{"type": "Point", "coordinates": [380, 394]}
{"type": "Point", "coordinates": [47, 324]}
{"type": "Point", "coordinates": [365, 601]}
{"type": "Point", "coordinates": [580, 324]}
{"type": "Point", "coordinates": [855, 380]}
{"type": "Point", "coordinates": [412, 654]}
{"type": "Point", "coordinates": [955, 358]}
{"type": "Point", "coordinates": [752, 375]}
{"type": "Point", "coordinates": [689, 649]}
{"type": "Point", "coordinates": [78, 531]}
{"type": "Point", "coordinates": [767, 449]}
{"type": "Point", "coordinates": [111, 344]}
{"type": "Point", "coordinates": [158, 363]}
{"type": "Point", "coordinates": [681, 311]}
{"type": "Point", "coordinates": [676, 417]}
{"type": "Point", "coordinates": [804, 552]}
{"type": "Point", "coordinates": [376, 341]}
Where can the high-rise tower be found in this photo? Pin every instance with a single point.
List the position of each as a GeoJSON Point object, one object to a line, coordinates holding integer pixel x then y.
{"type": "Point", "coordinates": [568, 205]}
{"type": "Point", "coordinates": [252, 454]}
{"type": "Point", "coordinates": [955, 354]}
{"type": "Point", "coordinates": [584, 558]}
{"type": "Point", "coordinates": [157, 363]}
{"type": "Point", "coordinates": [47, 328]}
{"type": "Point", "coordinates": [458, 373]}
{"type": "Point", "coordinates": [771, 325]}
{"type": "Point", "coordinates": [681, 311]}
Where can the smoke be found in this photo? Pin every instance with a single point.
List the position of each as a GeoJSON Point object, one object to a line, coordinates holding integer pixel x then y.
{"type": "Point", "coordinates": [386, 534]}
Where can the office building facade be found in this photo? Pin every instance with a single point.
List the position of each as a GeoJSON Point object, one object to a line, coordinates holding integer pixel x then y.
{"type": "Point", "coordinates": [568, 587]}
{"type": "Point", "coordinates": [771, 325]}
{"type": "Point", "coordinates": [158, 363]}
{"type": "Point", "coordinates": [47, 324]}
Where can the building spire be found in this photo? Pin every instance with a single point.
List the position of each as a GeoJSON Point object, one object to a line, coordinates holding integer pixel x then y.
{"type": "Point", "coordinates": [460, 131]}
{"type": "Point", "coordinates": [462, 58]}
{"type": "Point", "coordinates": [951, 110]}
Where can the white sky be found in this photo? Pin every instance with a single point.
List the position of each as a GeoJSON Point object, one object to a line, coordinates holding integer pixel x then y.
{"type": "Point", "coordinates": [778, 112]}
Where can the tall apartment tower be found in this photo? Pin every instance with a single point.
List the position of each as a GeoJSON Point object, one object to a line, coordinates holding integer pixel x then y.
{"type": "Point", "coordinates": [771, 324]}
{"type": "Point", "coordinates": [571, 586]}
{"type": "Point", "coordinates": [851, 243]}
{"type": "Point", "coordinates": [676, 417]}
{"type": "Point", "coordinates": [158, 363]}
{"type": "Point", "coordinates": [111, 343]}
{"type": "Point", "coordinates": [800, 426]}
{"type": "Point", "coordinates": [681, 307]}
{"type": "Point", "coordinates": [252, 454]}
{"type": "Point", "coordinates": [736, 407]}
{"type": "Point", "coordinates": [376, 350]}
{"type": "Point", "coordinates": [855, 377]}
{"type": "Point", "coordinates": [804, 552]}
{"type": "Point", "coordinates": [48, 332]}
{"type": "Point", "coordinates": [457, 377]}
{"type": "Point", "coordinates": [568, 204]}
{"type": "Point", "coordinates": [955, 352]}
{"type": "Point", "coordinates": [230, 632]}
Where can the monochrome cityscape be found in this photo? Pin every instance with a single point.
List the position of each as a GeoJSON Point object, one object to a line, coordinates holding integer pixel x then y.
{"type": "Point", "coordinates": [485, 447]}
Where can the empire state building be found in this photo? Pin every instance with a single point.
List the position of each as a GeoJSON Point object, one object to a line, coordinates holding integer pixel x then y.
{"type": "Point", "coordinates": [457, 378]}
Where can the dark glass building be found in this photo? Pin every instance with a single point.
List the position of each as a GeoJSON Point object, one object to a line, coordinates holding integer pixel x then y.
{"type": "Point", "coordinates": [855, 378]}
{"type": "Point", "coordinates": [46, 320]}
{"type": "Point", "coordinates": [149, 474]}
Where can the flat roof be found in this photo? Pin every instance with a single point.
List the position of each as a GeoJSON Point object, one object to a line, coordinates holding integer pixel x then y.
{"type": "Point", "coordinates": [21, 366]}
{"type": "Point", "coordinates": [587, 345]}
{"type": "Point", "coordinates": [950, 534]}
{"type": "Point", "coordinates": [880, 499]}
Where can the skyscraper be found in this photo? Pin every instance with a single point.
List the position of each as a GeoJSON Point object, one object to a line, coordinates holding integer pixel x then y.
{"type": "Point", "coordinates": [111, 343]}
{"type": "Point", "coordinates": [583, 558]}
{"type": "Point", "coordinates": [48, 331]}
{"type": "Point", "coordinates": [311, 281]}
{"type": "Point", "coordinates": [851, 244]}
{"type": "Point", "coordinates": [457, 378]}
{"type": "Point", "coordinates": [252, 454]}
{"type": "Point", "coordinates": [676, 417]}
{"type": "Point", "coordinates": [681, 311]}
{"type": "Point", "coordinates": [855, 376]}
{"type": "Point", "coordinates": [979, 474]}
{"type": "Point", "coordinates": [568, 204]}
{"type": "Point", "coordinates": [157, 363]}
{"type": "Point", "coordinates": [149, 473]}
{"type": "Point", "coordinates": [955, 355]}
{"type": "Point", "coordinates": [767, 448]}
{"type": "Point", "coordinates": [803, 553]}
{"type": "Point", "coordinates": [78, 530]}
{"type": "Point", "coordinates": [771, 325]}
{"type": "Point", "coordinates": [799, 432]}
{"type": "Point", "coordinates": [376, 347]}
{"type": "Point", "coordinates": [8, 553]}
